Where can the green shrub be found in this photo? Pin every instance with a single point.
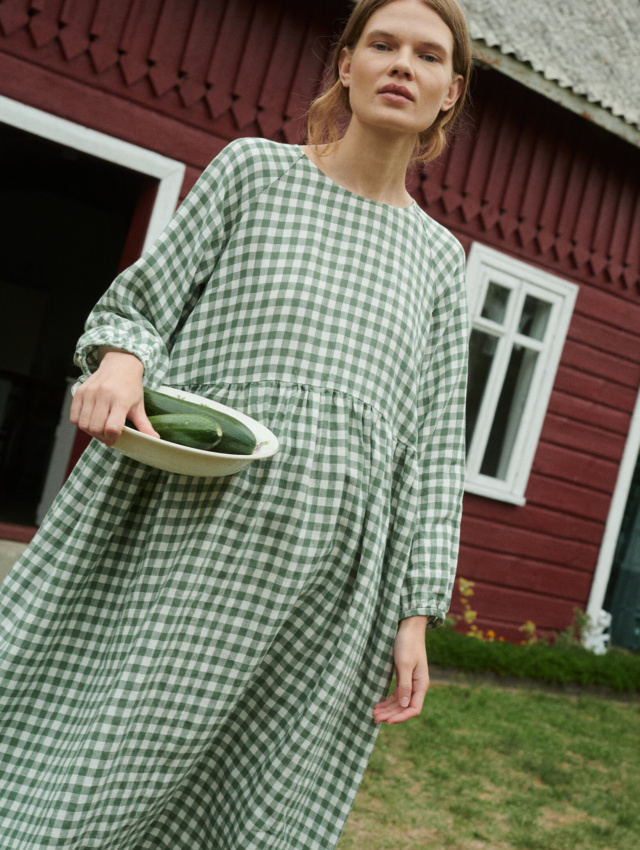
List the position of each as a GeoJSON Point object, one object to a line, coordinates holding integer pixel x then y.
{"type": "Point", "coordinates": [561, 663]}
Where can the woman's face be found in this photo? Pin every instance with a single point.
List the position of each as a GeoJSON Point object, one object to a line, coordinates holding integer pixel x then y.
{"type": "Point", "coordinates": [400, 74]}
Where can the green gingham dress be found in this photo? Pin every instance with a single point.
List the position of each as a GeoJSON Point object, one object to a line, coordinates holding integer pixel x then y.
{"type": "Point", "coordinates": [191, 663]}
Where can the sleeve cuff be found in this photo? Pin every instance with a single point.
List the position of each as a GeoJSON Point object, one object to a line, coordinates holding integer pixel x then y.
{"type": "Point", "coordinates": [434, 617]}
{"type": "Point", "coordinates": [86, 355]}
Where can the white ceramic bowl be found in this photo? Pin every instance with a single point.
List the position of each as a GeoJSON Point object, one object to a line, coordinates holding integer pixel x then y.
{"type": "Point", "coordinates": [185, 461]}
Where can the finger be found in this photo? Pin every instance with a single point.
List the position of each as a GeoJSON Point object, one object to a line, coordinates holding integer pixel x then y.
{"type": "Point", "coordinates": [140, 419]}
{"type": "Point", "coordinates": [392, 712]}
{"type": "Point", "coordinates": [113, 426]}
{"type": "Point", "coordinates": [420, 688]}
{"type": "Point", "coordinates": [402, 716]}
{"type": "Point", "coordinates": [390, 709]}
{"type": "Point", "coordinates": [390, 698]}
{"type": "Point", "coordinates": [381, 716]}
{"type": "Point", "coordinates": [90, 417]}
{"type": "Point", "coordinates": [404, 685]}
{"type": "Point", "coordinates": [94, 417]}
{"type": "Point", "coordinates": [384, 710]}
{"type": "Point", "coordinates": [76, 408]}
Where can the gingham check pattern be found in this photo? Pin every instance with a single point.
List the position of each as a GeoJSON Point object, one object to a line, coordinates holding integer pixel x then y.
{"type": "Point", "coordinates": [191, 664]}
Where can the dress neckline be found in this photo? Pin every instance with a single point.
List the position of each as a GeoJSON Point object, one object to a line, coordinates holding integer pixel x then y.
{"type": "Point", "coordinates": [319, 171]}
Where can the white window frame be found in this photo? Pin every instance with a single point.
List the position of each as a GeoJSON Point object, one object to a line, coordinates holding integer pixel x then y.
{"type": "Point", "coordinates": [484, 266]}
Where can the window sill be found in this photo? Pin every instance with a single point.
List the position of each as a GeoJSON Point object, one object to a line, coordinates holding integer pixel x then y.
{"type": "Point", "coordinates": [494, 492]}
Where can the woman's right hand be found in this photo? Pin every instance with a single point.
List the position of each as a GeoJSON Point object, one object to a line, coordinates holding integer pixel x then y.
{"type": "Point", "coordinates": [112, 394]}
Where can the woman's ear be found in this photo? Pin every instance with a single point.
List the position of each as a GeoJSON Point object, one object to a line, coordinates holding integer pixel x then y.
{"type": "Point", "coordinates": [344, 67]}
{"type": "Point", "coordinates": [455, 90]}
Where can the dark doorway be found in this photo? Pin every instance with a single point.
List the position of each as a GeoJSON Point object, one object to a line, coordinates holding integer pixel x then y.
{"type": "Point", "coordinates": [623, 593]}
{"type": "Point", "coordinates": [64, 219]}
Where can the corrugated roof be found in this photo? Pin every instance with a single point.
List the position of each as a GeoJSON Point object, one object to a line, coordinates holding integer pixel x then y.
{"type": "Point", "coordinates": [587, 46]}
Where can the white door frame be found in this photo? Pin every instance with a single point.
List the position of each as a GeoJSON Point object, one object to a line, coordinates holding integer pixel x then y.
{"type": "Point", "coordinates": [168, 172]}
{"type": "Point", "coordinates": [616, 515]}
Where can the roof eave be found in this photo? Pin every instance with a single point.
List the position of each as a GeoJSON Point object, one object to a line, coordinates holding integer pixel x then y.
{"type": "Point", "coordinates": [525, 75]}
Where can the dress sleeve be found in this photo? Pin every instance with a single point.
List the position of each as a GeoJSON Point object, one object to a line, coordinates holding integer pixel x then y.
{"type": "Point", "coordinates": [147, 303]}
{"type": "Point", "coordinates": [429, 580]}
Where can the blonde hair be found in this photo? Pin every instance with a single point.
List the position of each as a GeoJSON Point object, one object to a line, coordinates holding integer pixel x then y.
{"type": "Point", "coordinates": [328, 115]}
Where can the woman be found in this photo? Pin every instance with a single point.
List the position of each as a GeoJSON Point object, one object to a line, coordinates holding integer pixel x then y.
{"type": "Point", "coordinates": [193, 663]}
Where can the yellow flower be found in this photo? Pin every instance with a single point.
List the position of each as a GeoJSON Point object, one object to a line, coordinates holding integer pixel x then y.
{"type": "Point", "coordinates": [466, 587]}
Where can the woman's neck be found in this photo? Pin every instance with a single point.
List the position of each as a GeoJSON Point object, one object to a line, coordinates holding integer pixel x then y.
{"type": "Point", "coordinates": [373, 166]}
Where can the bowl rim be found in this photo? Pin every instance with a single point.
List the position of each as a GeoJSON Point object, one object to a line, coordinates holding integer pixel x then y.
{"type": "Point", "coordinates": [264, 448]}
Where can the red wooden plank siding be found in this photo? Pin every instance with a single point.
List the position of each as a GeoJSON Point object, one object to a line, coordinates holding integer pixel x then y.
{"type": "Point", "coordinates": [13, 16]}
{"type": "Point", "coordinates": [582, 354]}
{"type": "Point", "coordinates": [526, 575]}
{"type": "Point", "coordinates": [258, 49]}
{"type": "Point", "coordinates": [527, 160]}
{"type": "Point", "coordinates": [576, 435]}
{"type": "Point", "coordinates": [227, 57]}
{"type": "Point", "coordinates": [622, 223]}
{"type": "Point", "coordinates": [171, 34]}
{"type": "Point", "coordinates": [75, 23]}
{"type": "Point", "coordinates": [609, 421]}
{"type": "Point", "coordinates": [48, 91]}
{"type": "Point", "coordinates": [108, 22]}
{"type": "Point", "coordinates": [43, 27]}
{"type": "Point", "coordinates": [307, 78]}
{"type": "Point", "coordinates": [229, 67]}
{"type": "Point", "coordinates": [582, 385]}
{"type": "Point", "coordinates": [198, 50]}
{"type": "Point", "coordinates": [577, 467]}
{"type": "Point", "coordinates": [541, 184]}
{"type": "Point", "coordinates": [532, 545]}
{"type": "Point", "coordinates": [605, 337]}
{"type": "Point", "coordinates": [275, 93]}
{"type": "Point", "coordinates": [568, 498]}
{"type": "Point", "coordinates": [511, 607]}
{"type": "Point", "coordinates": [535, 518]}
{"type": "Point", "coordinates": [136, 39]}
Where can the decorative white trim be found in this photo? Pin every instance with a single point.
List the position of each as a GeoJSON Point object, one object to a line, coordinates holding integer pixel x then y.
{"type": "Point", "coordinates": [484, 266]}
{"type": "Point", "coordinates": [524, 74]}
{"type": "Point", "coordinates": [170, 175]}
{"type": "Point", "coordinates": [616, 515]}
{"type": "Point", "coordinates": [168, 172]}
{"type": "Point", "coordinates": [483, 486]}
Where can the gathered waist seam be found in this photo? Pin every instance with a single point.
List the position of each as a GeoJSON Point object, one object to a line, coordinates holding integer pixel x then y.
{"type": "Point", "coordinates": [345, 393]}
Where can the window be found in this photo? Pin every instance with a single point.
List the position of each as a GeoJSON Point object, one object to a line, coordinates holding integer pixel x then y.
{"type": "Point", "coordinates": [520, 317]}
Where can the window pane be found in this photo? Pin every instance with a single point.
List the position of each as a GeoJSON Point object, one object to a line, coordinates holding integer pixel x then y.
{"type": "Point", "coordinates": [496, 302]}
{"type": "Point", "coordinates": [482, 350]}
{"type": "Point", "coordinates": [508, 416]}
{"type": "Point", "coordinates": [534, 318]}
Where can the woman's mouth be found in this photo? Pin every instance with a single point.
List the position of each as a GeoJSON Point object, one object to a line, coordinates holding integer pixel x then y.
{"type": "Point", "coordinates": [396, 94]}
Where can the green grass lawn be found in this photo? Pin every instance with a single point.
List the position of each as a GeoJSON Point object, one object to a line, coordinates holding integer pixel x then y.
{"type": "Point", "coordinates": [489, 769]}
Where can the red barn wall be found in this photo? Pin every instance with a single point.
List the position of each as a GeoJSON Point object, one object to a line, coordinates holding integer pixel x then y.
{"type": "Point", "coordinates": [546, 186]}
{"type": "Point", "coordinates": [180, 77]}
{"type": "Point", "coordinates": [183, 77]}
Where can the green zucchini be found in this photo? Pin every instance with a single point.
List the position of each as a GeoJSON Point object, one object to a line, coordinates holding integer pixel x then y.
{"type": "Point", "coordinates": [236, 439]}
{"type": "Point", "coordinates": [188, 429]}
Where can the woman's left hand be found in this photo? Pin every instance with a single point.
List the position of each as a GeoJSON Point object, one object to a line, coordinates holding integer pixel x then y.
{"type": "Point", "coordinates": [412, 674]}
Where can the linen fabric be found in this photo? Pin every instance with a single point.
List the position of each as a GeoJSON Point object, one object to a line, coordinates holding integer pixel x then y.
{"type": "Point", "coordinates": [191, 663]}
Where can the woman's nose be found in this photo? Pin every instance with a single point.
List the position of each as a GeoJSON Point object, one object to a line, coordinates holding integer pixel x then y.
{"type": "Point", "coordinates": [402, 66]}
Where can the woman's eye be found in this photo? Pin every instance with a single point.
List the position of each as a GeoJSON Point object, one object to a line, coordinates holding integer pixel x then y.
{"type": "Point", "coordinates": [380, 47]}
{"type": "Point", "coordinates": [429, 57]}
